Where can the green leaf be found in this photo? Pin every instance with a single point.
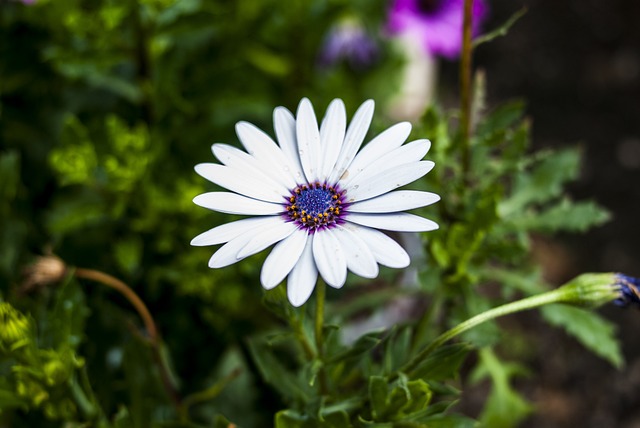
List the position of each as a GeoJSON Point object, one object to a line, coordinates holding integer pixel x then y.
{"type": "Point", "coordinates": [450, 421]}
{"type": "Point", "coordinates": [362, 346]}
{"type": "Point", "coordinates": [565, 216]}
{"type": "Point", "coordinates": [291, 419]}
{"type": "Point", "coordinates": [274, 373]}
{"type": "Point", "coordinates": [593, 331]}
{"type": "Point", "coordinates": [500, 119]}
{"type": "Point", "coordinates": [543, 183]}
{"type": "Point", "coordinates": [443, 364]}
{"type": "Point", "coordinates": [378, 389]}
{"type": "Point", "coordinates": [505, 407]}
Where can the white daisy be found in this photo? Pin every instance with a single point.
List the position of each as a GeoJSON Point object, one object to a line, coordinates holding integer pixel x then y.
{"type": "Point", "coordinates": [316, 197]}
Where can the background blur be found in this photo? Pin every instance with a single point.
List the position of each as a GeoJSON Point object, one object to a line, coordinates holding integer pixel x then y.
{"type": "Point", "coordinates": [105, 106]}
{"type": "Point", "coordinates": [577, 65]}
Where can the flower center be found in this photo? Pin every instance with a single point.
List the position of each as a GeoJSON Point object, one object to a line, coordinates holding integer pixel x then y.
{"type": "Point", "coordinates": [428, 6]}
{"type": "Point", "coordinates": [316, 206]}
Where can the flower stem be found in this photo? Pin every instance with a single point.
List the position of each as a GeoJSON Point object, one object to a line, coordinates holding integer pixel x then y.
{"type": "Point", "coordinates": [465, 88]}
{"type": "Point", "coordinates": [554, 296]}
{"type": "Point", "coordinates": [147, 319]}
{"type": "Point", "coordinates": [321, 290]}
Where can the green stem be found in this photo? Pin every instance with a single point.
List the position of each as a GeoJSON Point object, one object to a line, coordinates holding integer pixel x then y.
{"type": "Point", "coordinates": [321, 290]}
{"type": "Point", "coordinates": [465, 88]}
{"type": "Point", "coordinates": [554, 296]}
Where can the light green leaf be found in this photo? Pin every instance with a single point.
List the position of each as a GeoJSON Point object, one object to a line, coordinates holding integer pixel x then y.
{"type": "Point", "coordinates": [504, 408]}
{"type": "Point", "coordinates": [593, 331]}
{"type": "Point", "coordinates": [566, 216]}
{"type": "Point", "coordinates": [543, 183]}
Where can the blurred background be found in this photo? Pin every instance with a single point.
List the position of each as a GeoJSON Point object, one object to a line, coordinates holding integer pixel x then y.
{"type": "Point", "coordinates": [577, 65]}
{"type": "Point", "coordinates": [105, 106]}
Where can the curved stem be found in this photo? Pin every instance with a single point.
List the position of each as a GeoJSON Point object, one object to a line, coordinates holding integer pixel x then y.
{"type": "Point", "coordinates": [147, 319]}
{"type": "Point", "coordinates": [554, 296]}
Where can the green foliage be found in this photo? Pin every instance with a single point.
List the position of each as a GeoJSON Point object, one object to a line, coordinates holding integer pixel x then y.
{"type": "Point", "coordinates": [505, 407]}
{"type": "Point", "coordinates": [105, 106]}
{"type": "Point", "coordinates": [593, 331]}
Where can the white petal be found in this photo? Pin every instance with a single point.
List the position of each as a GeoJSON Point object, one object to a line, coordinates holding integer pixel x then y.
{"type": "Point", "coordinates": [388, 140]}
{"type": "Point", "coordinates": [400, 222]}
{"type": "Point", "coordinates": [411, 152]}
{"type": "Point", "coordinates": [228, 253]}
{"type": "Point", "coordinates": [400, 200]}
{"type": "Point", "coordinates": [285, 126]}
{"type": "Point", "coordinates": [242, 161]}
{"type": "Point", "coordinates": [267, 237]}
{"type": "Point", "coordinates": [387, 180]}
{"type": "Point", "coordinates": [232, 203]}
{"type": "Point", "coordinates": [386, 251]}
{"type": "Point", "coordinates": [282, 259]}
{"type": "Point", "coordinates": [260, 145]}
{"type": "Point", "coordinates": [360, 259]}
{"type": "Point", "coordinates": [303, 276]}
{"type": "Point", "coordinates": [332, 133]}
{"type": "Point", "coordinates": [308, 137]}
{"type": "Point", "coordinates": [330, 258]}
{"type": "Point", "coordinates": [353, 140]}
{"type": "Point", "coordinates": [243, 182]}
{"type": "Point", "coordinates": [228, 231]}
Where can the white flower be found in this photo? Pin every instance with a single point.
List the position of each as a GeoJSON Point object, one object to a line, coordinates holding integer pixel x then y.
{"type": "Point", "coordinates": [316, 197]}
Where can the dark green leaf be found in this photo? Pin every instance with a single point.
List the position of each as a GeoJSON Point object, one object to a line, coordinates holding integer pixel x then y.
{"type": "Point", "coordinates": [443, 363]}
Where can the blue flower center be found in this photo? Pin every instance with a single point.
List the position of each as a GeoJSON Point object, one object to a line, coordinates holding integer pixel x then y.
{"type": "Point", "coordinates": [315, 206]}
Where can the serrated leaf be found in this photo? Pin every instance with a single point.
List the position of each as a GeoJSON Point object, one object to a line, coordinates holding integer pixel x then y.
{"type": "Point", "coordinates": [504, 408]}
{"type": "Point", "coordinates": [566, 216]}
{"type": "Point", "coordinates": [593, 331]}
{"type": "Point", "coordinates": [543, 183]}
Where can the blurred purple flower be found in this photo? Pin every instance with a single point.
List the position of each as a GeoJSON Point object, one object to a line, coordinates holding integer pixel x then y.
{"type": "Point", "coordinates": [348, 41]}
{"type": "Point", "coordinates": [437, 24]}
